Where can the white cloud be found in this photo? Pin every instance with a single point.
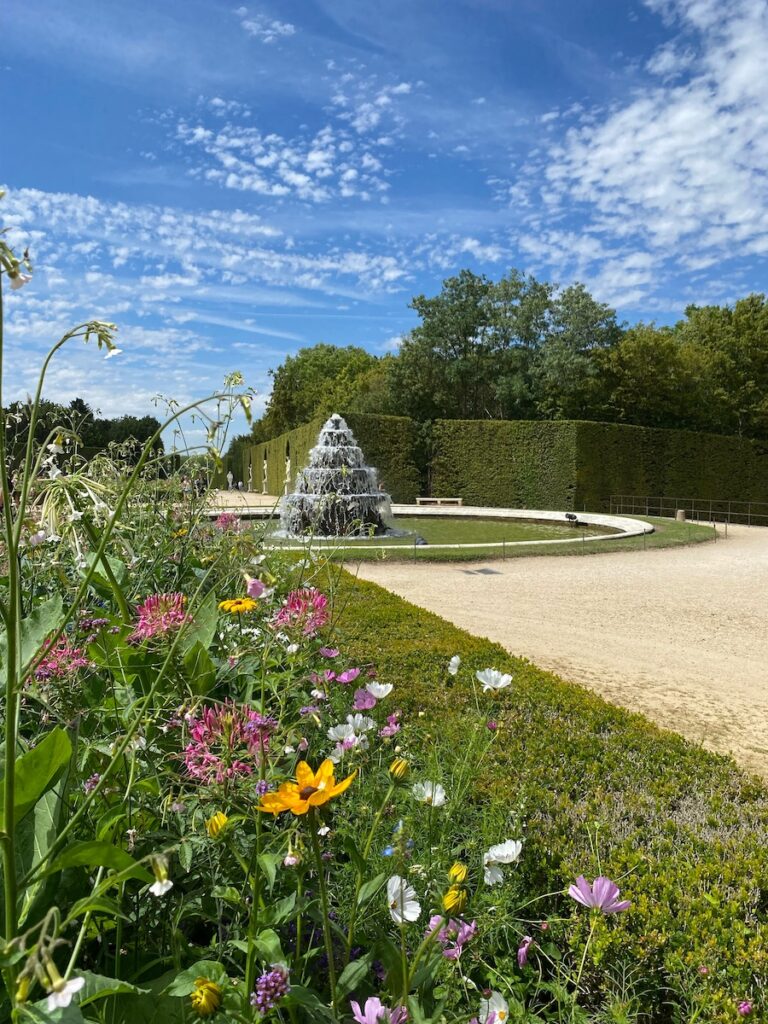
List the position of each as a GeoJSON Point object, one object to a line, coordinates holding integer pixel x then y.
{"type": "Point", "coordinates": [676, 173]}
{"type": "Point", "coordinates": [264, 28]}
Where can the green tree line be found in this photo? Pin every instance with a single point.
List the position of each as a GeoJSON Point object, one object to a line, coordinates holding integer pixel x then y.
{"type": "Point", "coordinates": [519, 348]}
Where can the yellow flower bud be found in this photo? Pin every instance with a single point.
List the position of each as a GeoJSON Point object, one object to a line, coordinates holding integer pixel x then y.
{"type": "Point", "coordinates": [22, 989]}
{"type": "Point", "coordinates": [215, 824]}
{"type": "Point", "coordinates": [458, 872]}
{"type": "Point", "coordinates": [399, 768]}
{"type": "Point", "coordinates": [206, 997]}
{"type": "Point", "coordinates": [455, 900]}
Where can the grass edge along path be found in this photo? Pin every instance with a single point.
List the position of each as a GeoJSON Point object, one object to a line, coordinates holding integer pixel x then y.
{"type": "Point", "coordinates": [600, 790]}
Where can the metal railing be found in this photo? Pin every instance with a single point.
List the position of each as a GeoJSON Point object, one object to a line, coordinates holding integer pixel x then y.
{"type": "Point", "coordinates": [705, 510]}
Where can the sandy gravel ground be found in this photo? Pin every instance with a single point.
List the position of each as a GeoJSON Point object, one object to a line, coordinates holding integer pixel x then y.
{"type": "Point", "coordinates": [678, 634]}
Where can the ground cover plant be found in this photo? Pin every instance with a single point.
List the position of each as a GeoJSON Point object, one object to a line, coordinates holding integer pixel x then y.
{"type": "Point", "coordinates": [237, 786]}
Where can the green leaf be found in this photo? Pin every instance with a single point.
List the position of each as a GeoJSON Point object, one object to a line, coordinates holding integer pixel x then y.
{"type": "Point", "coordinates": [97, 854]}
{"type": "Point", "coordinates": [300, 996]}
{"type": "Point", "coordinates": [98, 987]}
{"type": "Point", "coordinates": [38, 1012]}
{"type": "Point", "coordinates": [370, 888]}
{"type": "Point", "coordinates": [267, 943]}
{"type": "Point", "coordinates": [36, 772]}
{"type": "Point", "coordinates": [202, 629]}
{"type": "Point", "coordinates": [34, 631]}
{"type": "Point", "coordinates": [353, 975]}
{"type": "Point", "coordinates": [34, 837]}
{"type": "Point", "coordinates": [268, 863]}
{"type": "Point", "coordinates": [199, 669]}
{"type": "Point", "coordinates": [354, 854]}
{"type": "Point", "coordinates": [184, 983]}
{"type": "Point", "coordinates": [95, 905]}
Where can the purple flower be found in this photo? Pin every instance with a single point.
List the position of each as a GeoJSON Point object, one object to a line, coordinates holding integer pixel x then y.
{"type": "Point", "coordinates": [375, 1012]}
{"type": "Point", "coordinates": [452, 936]}
{"type": "Point", "coordinates": [309, 709]}
{"type": "Point", "coordinates": [329, 652]}
{"type": "Point", "coordinates": [91, 783]}
{"type": "Point", "coordinates": [392, 728]}
{"type": "Point", "coordinates": [349, 676]}
{"type": "Point", "coordinates": [364, 700]}
{"type": "Point", "coordinates": [744, 1008]}
{"type": "Point", "coordinates": [270, 988]}
{"type": "Point", "coordinates": [262, 787]}
{"type": "Point", "coordinates": [522, 953]}
{"type": "Point", "coordinates": [492, 725]}
{"type": "Point", "coordinates": [601, 895]}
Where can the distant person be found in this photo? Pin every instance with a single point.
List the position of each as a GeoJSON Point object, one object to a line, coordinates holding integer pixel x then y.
{"type": "Point", "coordinates": [239, 485]}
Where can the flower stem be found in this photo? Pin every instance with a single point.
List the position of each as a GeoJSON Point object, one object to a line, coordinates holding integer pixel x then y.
{"type": "Point", "coordinates": [359, 880]}
{"type": "Point", "coordinates": [324, 904]}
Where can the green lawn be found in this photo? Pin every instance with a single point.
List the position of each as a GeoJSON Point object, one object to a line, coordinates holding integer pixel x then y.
{"type": "Point", "coordinates": [667, 533]}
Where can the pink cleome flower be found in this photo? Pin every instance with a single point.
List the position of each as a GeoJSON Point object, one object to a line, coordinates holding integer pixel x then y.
{"type": "Point", "coordinates": [305, 609]}
{"type": "Point", "coordinates": [61, 661]}
{"type": "Point", "coordinates": [226, 742]}
{"type": "Point", "coordinates": [159, 614]}
{"type": "Point", "coordinates": [227, 521]}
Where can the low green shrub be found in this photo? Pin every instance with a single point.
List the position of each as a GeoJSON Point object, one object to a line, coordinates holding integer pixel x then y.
{"type": "Point", "coordinates": [601, 790]}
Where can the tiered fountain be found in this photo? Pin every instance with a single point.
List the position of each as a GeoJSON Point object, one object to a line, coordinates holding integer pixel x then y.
{"type": "Point", "coordinates": [337, 495]}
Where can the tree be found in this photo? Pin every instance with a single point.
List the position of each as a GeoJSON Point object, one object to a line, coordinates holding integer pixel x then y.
{"type": "Point", "coordinates": [312, 381]}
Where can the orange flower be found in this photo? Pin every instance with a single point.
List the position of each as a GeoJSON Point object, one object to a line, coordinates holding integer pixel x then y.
{"type": "Point", "coordinates": [311, 789]}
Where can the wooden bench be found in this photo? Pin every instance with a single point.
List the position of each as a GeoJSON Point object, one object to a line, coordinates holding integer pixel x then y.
{"type": "Point", "coordinates": [439, 501]}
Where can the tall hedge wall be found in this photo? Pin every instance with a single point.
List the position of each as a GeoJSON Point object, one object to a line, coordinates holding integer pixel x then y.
{"type": "Point", "coordinates": [616, 459]}
{"type": "Point", "coordinates": [505, 463]}
{"type": "Point", "coordinates": [388, 443]}
{"type": "Point", "coordinates": [576, 464]}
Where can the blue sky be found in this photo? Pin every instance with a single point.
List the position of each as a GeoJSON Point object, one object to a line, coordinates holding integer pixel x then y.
{"type": "Point", "coordinates": [229, 183]}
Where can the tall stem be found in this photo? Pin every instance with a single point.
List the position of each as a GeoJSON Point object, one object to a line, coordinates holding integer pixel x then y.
{"type": "Point", "coordinates": [324, 904]}
{"type": "Point", "coordinates": [12, 659]}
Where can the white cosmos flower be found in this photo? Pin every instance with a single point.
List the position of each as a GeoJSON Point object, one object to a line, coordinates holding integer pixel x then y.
{"type": "Point", "coordinates": [379, 690]}
{"type": "Point", "coordinates": [401, 899]}
{"type": "Point", "coordinates": [496, 1004]}
{"type": "Point", "coordinates": [503, 853]}
{"type": "Point", "coordinates": [429, 793]}
{"type": "Point", "coordinates": [161, 887]}
{"type": "Point", "coordinates": [453, 664]}
{"type": "Point", "coordinates": [493, 680]}
{"type": "Point", "coordinates": [18, 281]}
{"type": "Point", "coordinates": [61, 995]}
{"type": "Point", "coordinates": [361, 723]}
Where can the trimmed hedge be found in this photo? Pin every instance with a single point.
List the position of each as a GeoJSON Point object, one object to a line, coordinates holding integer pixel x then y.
{"type": "Point", "coordinates": [388, 443]}
{"type": "Point", "coordinates": [684, 831]}
{"type": "Point", "coordinates": [579, 464]}
{"type": "Point", "coordinates": [505, 463]}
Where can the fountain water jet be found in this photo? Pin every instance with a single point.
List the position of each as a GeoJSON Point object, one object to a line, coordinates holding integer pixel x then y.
{"type": "Point", "coordinates": [336, 495]}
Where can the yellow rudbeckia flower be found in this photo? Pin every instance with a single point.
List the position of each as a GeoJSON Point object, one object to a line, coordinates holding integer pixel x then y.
{"type": "Point", "coordinates": [237, 605]}
{"type": "Point", "coordinates": [311, 789]}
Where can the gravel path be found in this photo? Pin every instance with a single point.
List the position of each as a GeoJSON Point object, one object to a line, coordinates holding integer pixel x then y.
{"type": "Point", "coordinates": [678, 634]}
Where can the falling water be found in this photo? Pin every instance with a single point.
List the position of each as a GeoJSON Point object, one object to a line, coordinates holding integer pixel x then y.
{"type": "Point", "coordinates": [337, 495]}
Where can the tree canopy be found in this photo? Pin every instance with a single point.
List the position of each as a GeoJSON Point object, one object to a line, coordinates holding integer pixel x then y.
{"type": "Point", "coordinates": [519, 348]}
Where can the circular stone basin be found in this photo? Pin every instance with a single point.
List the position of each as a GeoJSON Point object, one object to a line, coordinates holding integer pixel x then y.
{"type": "Point", "coordinates": [457, 527]}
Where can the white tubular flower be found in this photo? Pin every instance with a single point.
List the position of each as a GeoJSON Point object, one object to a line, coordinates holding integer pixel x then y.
{"type": "Point", "coordinates": [61, 995]}
{"type": "Point", "coordinates": [18, 280]}
{"type": "Point", "coordinates": [401, 900]}
{"type": "Point", "coordinates": [161, 887]}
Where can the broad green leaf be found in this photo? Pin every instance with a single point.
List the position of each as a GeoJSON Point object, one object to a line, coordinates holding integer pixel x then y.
{"type": "Point", "coordinates": [370, 888]}
{"type": "Point", "coordinates": [354, 854]}
{"type": "Point", "coordinates": [184, 983]}
{"type": "Point", "coordinates": [39, 1012]}
{"type": "Point", "coordinates": [45, 618]}
{"type": "Point", "coordinates": [268, 863]}
{"type": "Point", "coordinates": [267, 943]}
{"type": "Point", "coordinates": [97, 854]}
{"type": "Point", "coordinates": [95, 905]}
{"type": "Point", "coordinates": [36, 771]}
{"type": "Point", "coordinates": [34, 837]}
{"type": "Point", "coordinates": [202, 629]}
{"type": "Point", "coordinates": [353, 975]}
{"type": "Point", "coordinates": [199, 669]}
{"type": "Point", "coordinates": [98, 987]}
